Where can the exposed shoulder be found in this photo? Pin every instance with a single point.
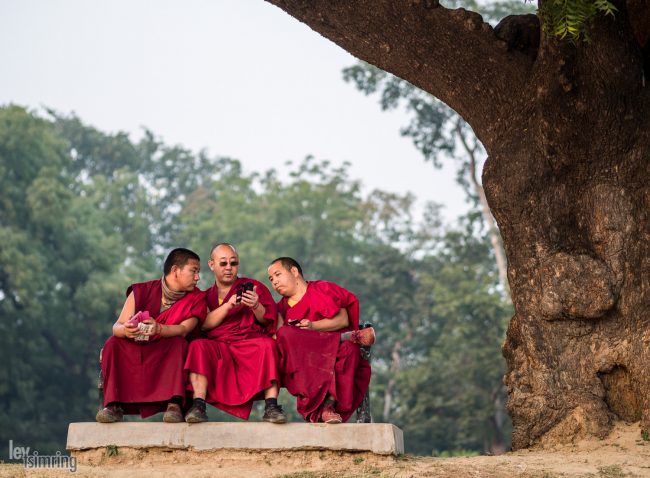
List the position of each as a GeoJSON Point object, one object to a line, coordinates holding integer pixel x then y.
{"type": "Point", "coordinates": [145, 287]}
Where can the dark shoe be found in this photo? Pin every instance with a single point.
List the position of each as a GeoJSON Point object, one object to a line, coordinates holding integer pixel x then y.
{"type": "Point", "coordinates": [274, 414]}
{"type": "Point", "coordinates": [330, 416]}
{"type": "Point", "coordinates": [110, 414]}
{"type": "Point", "coordinates": [364, 337]}
{"type": "Point", "coordinates": [196, 413]}
{"type": "Point", "coordinates": [173, 414]}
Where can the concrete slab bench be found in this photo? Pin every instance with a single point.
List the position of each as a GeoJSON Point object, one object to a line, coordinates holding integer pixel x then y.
{"type": "Point", "coordinates": [379, 438]}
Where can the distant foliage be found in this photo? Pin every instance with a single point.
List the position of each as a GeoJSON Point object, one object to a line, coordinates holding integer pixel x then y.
{"type": "Point", "coordinates": [85, 213]}
{"type": "Point", "coordinates": [566, 19]}
{"type": "Point", "coordinates": [572, 18]}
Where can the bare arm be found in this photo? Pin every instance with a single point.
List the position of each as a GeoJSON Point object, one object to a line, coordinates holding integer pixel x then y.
{"type": "Point", "coordinates": [216, 316]}
{"type": "Point", "coordinates": [119, 327]}
{"type": "Point", "coordinates": [259, 312]}
{"type": "Point", "coordinates": [181, 329]}
{"type": "Point", "coordinates": [338, 322]}
{"type": "Point", "coordinates": [252, 300]}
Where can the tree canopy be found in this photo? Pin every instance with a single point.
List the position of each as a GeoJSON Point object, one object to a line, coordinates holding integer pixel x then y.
{"type": "Point", "coordinates": [87, 213]}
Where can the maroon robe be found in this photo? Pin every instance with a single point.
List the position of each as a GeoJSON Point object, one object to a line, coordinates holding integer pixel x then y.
{"type": "Point", "coordinates": [144, 375]}
{"type": "Point", "coordinates": [238, 357]}
{"type": "Point", "coordinates": [314, 364]}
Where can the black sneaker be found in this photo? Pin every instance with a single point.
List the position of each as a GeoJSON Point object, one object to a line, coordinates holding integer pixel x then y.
{"type": "Point", "coordinates": [110, 414]}
{"type": "Point", "coordinates": [196, 413]}
{"type": "Point", "coordinates": [274, 414]}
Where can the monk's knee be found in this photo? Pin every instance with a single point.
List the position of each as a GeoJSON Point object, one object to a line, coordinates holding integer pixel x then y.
{"type": "Point", "coordinates": [280, 334]}
{"type": "Point", "coordinates": [198, 345]}
{"type": "Point", "coordinates": [111, 344]}
{"type": "Point", "coordinates": [286, 333]}
{"type": "Point", "coordinates": [267, 347]}
{"type": "Point", "coordinates": [179, 339]}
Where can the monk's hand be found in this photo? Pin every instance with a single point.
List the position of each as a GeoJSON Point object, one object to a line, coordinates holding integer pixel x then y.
{"type": "Point", "coordinates": [153, 327]}
{"type": "Point", "coordinates": [131, 331]}
{"type": "Point", "coordinates": [306, 324]}
{"type": "Point", "coordinates": [250, 298]}
{"type": "Point", "coordinates": [232, 302]}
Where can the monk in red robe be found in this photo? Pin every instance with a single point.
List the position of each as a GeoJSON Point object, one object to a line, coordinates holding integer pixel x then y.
{"type": "Point", "coordinates": [238, 361]}
{"type": "Point", "coordinates": [320, 359]}
{"type": "Point", "coordinates": [142, 364]}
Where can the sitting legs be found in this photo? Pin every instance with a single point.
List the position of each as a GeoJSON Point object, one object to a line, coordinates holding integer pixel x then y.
{"type": "Point", "coordinates": [272, 411]}
{"type": "Point", "coordinates": [110, 414]}
{"type": "Point", "coordinates": [329, 414]}
{"type": "Point", "coordinates": [197, 413]}
{"type": "Point", "coordinates": [113, 412]}
{"type": "Point", "coordinates": [173, 414]}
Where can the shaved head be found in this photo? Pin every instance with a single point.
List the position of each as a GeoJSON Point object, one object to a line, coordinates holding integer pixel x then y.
{"type": "Point", "coordinates": [223, 244]}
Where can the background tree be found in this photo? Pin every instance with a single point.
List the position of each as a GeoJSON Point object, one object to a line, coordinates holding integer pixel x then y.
{"type": "Point", "coordinates": [85, 213]}
{"type": "Point", "coordinates": [406, 274]}
{"type": "Point", "coordinates": [450, 394]}
{"type": "Point", "coordinates": [437, 131]}
{"type": "Point", "coordinates": [59, 278]}
{"type": "Point", "coordinates": [441, 134]}
{"type": "Point", "coordinates": [565, 127]}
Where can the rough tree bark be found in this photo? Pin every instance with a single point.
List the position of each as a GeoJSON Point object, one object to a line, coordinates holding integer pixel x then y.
{"type": "Point", "coordinates": [568, 181]}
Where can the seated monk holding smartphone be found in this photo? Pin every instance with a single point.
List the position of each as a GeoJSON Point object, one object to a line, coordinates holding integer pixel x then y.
{"type": "Point", "coordinates": [238, 361]}
{"type": "Point", "coordinates": [320, 360]}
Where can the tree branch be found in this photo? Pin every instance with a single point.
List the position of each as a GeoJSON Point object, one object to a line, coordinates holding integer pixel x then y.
{"type": "Point", "coordinates": [451, 54]}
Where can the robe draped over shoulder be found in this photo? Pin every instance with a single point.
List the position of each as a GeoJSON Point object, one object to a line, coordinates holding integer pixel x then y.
{"type": "Point", "coordinates": [144, 376]}
{"type": "Point", "coordinates": [239, 357]}
{"type": "Point", "coordinates": [314, 364]}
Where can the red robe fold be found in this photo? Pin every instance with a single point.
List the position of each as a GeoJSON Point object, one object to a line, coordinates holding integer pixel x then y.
{"type": "Point", "coordinates": [144, 376]}
{"type": "Point", "coordinates": [314, 364]}
{"type": "Point", "coordinates": [238, 357]}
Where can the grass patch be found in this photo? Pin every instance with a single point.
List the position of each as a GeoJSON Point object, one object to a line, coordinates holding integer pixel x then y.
{"type": "Point", "coordinates": [111, 450]}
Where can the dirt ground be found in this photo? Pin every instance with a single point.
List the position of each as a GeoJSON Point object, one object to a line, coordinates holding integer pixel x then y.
{"type": "Point", "coordinates": [623, 454]}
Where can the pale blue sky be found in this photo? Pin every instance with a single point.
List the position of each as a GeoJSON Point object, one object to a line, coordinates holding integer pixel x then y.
{"type": "Point", "coordinates": [238, 77]}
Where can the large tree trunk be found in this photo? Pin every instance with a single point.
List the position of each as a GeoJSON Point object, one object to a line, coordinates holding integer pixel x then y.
{"type": "Point", "coordinates": [568, 181]}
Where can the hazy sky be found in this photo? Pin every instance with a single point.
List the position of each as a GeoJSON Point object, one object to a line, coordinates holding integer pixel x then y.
{"type": "Point", "coordinates": [238, 77]}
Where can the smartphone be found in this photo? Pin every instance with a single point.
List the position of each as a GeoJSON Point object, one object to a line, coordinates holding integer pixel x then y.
{"type": "Point", "coordinates": [293, 322]}
{"type": "Point", "coordinates": [137, 318]}
{"type": "Point", "coordinates": [241, 288]}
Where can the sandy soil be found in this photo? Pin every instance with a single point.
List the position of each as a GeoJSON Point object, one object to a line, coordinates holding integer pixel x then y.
{"type": "Point", "coordinates": [622, 454]}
